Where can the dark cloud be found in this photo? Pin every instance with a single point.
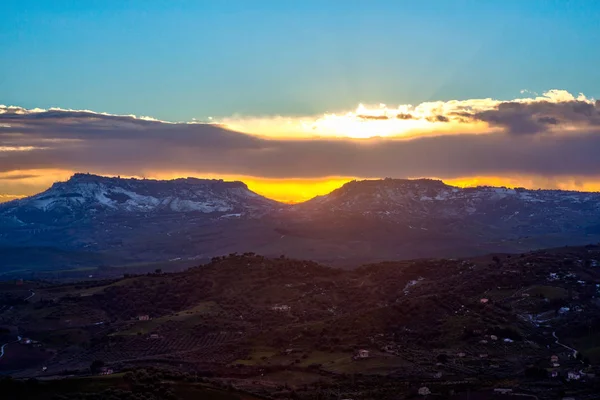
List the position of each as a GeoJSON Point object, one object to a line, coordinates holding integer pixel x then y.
{"type": "Point", "coordinates": [18, 177]}
{"type": "Point", "coordinates": [82, 141]}
{"type": "Point", "coordinates": [404, 116]}
{"type": "Point", "coordinates": [438, 118]}
{"type": "Point", "coordinates": [536, 117]}
{"type": "Point", "coordinates": [373, 117]}
{"type": "Point", "coordinates": [548, 120]}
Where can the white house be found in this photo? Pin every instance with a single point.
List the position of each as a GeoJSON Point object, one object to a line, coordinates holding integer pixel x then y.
{"type": "Point", "coordinates": [573, 376]}
{"type": "Point", "coordinates": [362, 353]}
{"type": "Point", "coordinates": [424, 391]}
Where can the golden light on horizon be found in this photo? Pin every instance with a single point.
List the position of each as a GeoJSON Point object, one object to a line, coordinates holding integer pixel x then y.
{"type": "Point", "coordinates": [294, 190]}
{"type": "Point", "coordinates": [529, 182]}
{"type": "Point", "coordinates": [16, 184]}
{"type": "Point", "coordinates": [402, 122]}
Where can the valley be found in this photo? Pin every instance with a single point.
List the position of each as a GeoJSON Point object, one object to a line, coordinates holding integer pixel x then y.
{"type": "Point", "coordinates": [289, 328]}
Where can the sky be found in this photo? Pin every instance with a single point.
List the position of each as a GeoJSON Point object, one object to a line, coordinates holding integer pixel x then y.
{"type": "Point", "coordinates": [297, 97]}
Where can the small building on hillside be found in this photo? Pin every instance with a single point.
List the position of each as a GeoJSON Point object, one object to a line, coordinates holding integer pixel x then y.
{"type": "Point", "coordinates": [281, 307]}
{"type": "Point", "coordinates": [144, 317]}
{"type": "Point", "coordinates": [424, 391]}
{"type": "Point", "coordinates": [25, 341]}
{"type": "Point", "coordinates": [361, 354]}
{"type": "Point", "coordinates": [106, 371]}
{"type": "Point", "coordinates": [154, 336]}
{"type": "Point", "coordinates": [573, 376]}
{"type": "Point", "coordinates": [484, 301]}
{"type": "Point", "coordinates": [554, 358]}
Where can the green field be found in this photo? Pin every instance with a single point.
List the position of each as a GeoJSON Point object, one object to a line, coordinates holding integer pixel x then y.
{"type": "Point", "coordinates": [189, 316]}
{"type": "Point", "coordinates": [76, 388]}
{"type": "Point", "coordinates": [549, 292]}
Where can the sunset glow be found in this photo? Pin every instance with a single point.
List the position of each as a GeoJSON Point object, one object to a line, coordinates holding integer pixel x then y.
{"type": "Point", "coordinates": [294, 190]}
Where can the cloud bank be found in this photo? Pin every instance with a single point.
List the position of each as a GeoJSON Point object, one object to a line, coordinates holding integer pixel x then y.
{"type": "Point", "coordinates": [552, 136]}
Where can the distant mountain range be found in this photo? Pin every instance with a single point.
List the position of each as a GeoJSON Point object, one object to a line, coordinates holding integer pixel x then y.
{"type": "Point", "coordinates": [133, 220]}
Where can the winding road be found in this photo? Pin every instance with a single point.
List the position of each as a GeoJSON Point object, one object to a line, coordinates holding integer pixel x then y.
{"type": "Point", "coordinates": [18, 337]}
{"type": "Point", "coordinates": [5, 344]}
{"type": "Point", "coordinates": [564, 345]}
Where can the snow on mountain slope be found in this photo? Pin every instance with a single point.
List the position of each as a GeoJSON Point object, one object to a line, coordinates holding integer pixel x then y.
{"type": "Point", "coordinates": [434, 197]}
{"type": "Point", "coordinates": [85, 193]}
{"type": "Point", "coordinates": [139, 219]}
{"type": "Point", "coordinates": [431, 204]}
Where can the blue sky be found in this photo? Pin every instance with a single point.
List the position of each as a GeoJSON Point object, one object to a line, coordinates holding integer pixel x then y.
{"type": "Point", "coordinates": [179, 60]}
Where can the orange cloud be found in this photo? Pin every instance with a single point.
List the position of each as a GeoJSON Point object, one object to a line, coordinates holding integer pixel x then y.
{"type": "Point", "coordinates": [425, 119]}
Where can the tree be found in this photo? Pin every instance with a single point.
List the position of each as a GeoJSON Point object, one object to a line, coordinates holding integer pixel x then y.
{"type": "Point", "coordinates": [96, 366]}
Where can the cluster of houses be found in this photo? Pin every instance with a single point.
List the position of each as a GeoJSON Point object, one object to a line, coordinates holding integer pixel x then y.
{"type": "Point", "coordinates": [106, 371]}
{"type": "Point", "coordinates": [30, 342]}
{"type": "Point", "coordinates": [571, 374]}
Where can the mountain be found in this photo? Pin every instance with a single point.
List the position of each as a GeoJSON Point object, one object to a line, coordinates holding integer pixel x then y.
{"type": "Point", "coordinates": [399, 218]}
{"type": "Point", "coordinates": [133, 220]}
{"type": "Point", "coordinates": [426, 202]}
{"type": "Point", "coordinates": [86, 196]}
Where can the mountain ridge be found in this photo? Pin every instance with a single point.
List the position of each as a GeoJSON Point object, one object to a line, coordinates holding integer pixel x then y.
{"type": "Point", "coordinates": [353, 185]}
{"type": "Point", "coordinates": [140, 220]}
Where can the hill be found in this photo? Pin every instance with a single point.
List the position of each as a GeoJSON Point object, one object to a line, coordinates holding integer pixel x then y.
{"type": "Point", "coordinates": [273, 326]}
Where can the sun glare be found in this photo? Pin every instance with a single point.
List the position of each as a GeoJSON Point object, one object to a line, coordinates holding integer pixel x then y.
{"type": "Point", "coordinates": [294, 190]}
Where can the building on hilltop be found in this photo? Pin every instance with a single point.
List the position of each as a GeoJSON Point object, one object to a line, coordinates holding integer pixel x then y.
{"type": "Point", "coordinates": [361, 354]}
